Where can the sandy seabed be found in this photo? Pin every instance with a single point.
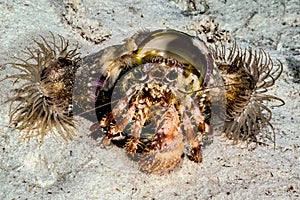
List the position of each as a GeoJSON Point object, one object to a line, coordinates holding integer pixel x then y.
{"type": "Point", "coordinates": [82, 169]}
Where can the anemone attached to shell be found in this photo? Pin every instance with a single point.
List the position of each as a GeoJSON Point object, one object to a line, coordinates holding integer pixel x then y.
{"type": "Point", "coordinates": [42, 103]}
{"type": "Point", "coordinates": [247, 76]}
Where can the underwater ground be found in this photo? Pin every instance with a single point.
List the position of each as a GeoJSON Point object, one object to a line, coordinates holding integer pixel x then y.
{"type": "Point", "coordinates": [81, 169]}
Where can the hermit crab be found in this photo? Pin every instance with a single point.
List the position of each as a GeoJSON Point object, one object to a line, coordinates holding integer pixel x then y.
{"type": "Point", "coordinates": [159, 95]}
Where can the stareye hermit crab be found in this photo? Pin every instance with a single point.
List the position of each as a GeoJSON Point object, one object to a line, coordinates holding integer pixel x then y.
{"type": "Point", "coordinates": [160, 95]}
{"type": "Point", "coordinates": [151, 96]}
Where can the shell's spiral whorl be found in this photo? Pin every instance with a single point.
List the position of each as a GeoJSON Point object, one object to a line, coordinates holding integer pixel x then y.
{"type": "Point", "coordinates": [247, 75]}
{"type": "Point", "coordinates": [43, 102]}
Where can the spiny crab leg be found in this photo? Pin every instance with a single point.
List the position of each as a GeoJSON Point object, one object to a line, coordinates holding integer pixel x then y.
{"type": "Point", "coordinates": [203, 127]}
{"type": "Point", "coordinates": [167, 145]}
{"type": "Point", "coordinates": [120, 116]}
{"type": "Point", "coordinates": [194, 137]}
{"type": "Point", "coordinates": [168, 130]}
{"type": "Point", "coordinates": [117, 128]}
{"type": "Point", "coordinates": [140, 119]}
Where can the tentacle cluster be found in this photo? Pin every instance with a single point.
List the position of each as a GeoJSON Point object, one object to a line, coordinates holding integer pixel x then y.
{"type": "Point", "coordinates": [247, 75]}
{"type": "Point", "coordinates": [43, 103]}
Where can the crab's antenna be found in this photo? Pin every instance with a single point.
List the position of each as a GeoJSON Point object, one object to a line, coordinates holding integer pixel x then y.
{"type": "Point", "coordinates": [207, 88]}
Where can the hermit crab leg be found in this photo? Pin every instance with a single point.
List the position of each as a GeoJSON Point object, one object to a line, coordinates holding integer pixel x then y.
{"type": "Point", "coordinates": [120, 116]}
{"type": "Point", "coordinates": [196, 153]}
{"type": "Point", "coordinates": [117, 128]}
{"type": "Point", "coordinates": [140, 119]}
{"type": "Point", "coordinates": [194, 139]}
{"type": "Point", "coordinates": [167, 146]}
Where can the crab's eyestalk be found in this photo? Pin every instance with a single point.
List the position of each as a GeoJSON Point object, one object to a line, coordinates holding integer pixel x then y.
{"type": "Point", "coordinates": [42, 103]}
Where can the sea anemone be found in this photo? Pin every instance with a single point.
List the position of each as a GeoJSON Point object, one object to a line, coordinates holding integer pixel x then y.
{"type": "Point", "coordinates": [43, 102]}
{"type": "Point", "coordinates": [247, 76]}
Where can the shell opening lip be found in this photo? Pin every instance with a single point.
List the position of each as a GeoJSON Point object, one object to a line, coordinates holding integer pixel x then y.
{"type": "Point", "coordinates": [183, 47]}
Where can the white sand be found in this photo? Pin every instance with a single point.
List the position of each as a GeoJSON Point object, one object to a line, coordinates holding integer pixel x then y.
{"type": "Point", "coordinates": [83, 170]}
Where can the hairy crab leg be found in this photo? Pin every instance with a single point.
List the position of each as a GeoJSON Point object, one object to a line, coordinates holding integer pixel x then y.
{"type": "Point", "coordinates": [114, 117]}
{"type": "Point", "coordinates": [194, 134]}
{"type": "Point", "coordinates": [140, 119]}
{"type": "Point", "coordinates": [117, 128]}
{"type": "Point", "coordinates": [167, 147]}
